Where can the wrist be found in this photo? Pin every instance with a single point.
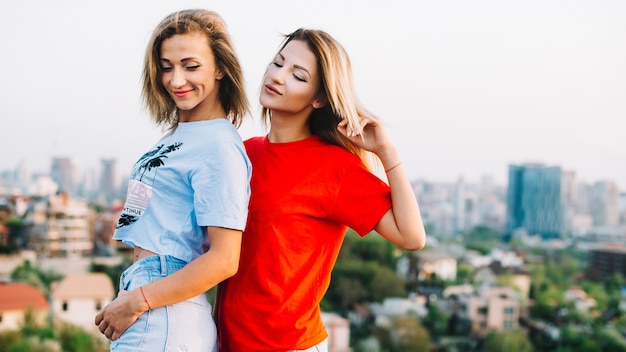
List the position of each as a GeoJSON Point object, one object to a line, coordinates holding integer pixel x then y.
{"type": "Point", "coordinates": [146, 302]}
{"type": "Point", "coordinates": [393, 167]}
{"type": "Point", "coordinates": [389, 157]}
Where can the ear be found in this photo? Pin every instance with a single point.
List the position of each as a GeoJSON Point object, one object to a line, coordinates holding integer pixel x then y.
{"type": "Point", "coordinates": [219, 75]}
{"type": "Point", "coordinates": [317, 104]}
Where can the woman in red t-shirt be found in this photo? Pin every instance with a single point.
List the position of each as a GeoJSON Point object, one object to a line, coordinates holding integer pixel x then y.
{"type": "Point", "coordinates": [310, 181]}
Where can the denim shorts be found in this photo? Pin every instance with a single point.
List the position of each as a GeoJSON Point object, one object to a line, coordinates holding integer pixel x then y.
{"type": "Point", "coordinates": [182, 327]}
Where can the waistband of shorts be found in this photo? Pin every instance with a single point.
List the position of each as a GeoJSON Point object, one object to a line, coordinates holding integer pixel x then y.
{"type": "Point", "coordinates": [162, 263]}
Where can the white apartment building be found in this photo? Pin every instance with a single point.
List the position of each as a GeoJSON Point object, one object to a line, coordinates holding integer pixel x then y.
{"type": "Point", "coordinates": [61, 227]}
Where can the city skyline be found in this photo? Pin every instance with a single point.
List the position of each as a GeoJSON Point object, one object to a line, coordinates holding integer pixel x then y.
{"type": "Point", "coordinates": [466, 89]}
{"type": "Point", "coordinates": [107, 178]}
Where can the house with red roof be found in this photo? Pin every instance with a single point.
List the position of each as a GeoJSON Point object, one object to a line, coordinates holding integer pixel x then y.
{"type": "Point", "coordinates": [16, 299]}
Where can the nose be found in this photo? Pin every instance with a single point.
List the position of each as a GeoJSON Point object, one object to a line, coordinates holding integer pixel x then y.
{"type": "Point", "coordinates": [276, 74]}
{"type": "Point", "coordinates": [178, 78]}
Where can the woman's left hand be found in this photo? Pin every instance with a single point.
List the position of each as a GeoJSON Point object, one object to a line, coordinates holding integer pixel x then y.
{"type": "Point", "coordinates": [372, 136]}
{"type": "Point", "coordinates": [118, 315]}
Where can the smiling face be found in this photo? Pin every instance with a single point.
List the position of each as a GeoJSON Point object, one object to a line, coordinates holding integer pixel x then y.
{"type": "Point", "coordinates": [291, 82]}
{"type": "Point", "coordinates": [190, 76]}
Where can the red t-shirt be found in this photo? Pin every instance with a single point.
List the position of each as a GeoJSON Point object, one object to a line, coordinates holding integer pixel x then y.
{"type": "Point", "coordinates": [304, 195]}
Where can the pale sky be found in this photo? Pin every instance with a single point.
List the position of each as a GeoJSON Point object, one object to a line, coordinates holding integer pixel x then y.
{"type": "Point", "coordinates": [466, 87]}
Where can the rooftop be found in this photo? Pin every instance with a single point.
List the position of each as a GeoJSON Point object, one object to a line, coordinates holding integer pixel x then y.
{"type": "Point", "coordinates": [87, 285]}
{"type": "Point", "coordinates": [20, 296]}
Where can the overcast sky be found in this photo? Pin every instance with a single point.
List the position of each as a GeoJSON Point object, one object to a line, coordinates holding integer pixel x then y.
{"type": "Point", "coordinates": [465, 87]}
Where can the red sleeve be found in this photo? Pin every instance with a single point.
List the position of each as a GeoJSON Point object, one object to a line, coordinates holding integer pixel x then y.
{"type": "Point", "coordinates": [362, 200]}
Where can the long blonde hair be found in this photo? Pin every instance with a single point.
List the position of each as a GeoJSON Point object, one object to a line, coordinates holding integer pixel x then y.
{"type": "Point", "coordinates": [232, 95]}
{"type": "Point", "coordinates": [337, 89]}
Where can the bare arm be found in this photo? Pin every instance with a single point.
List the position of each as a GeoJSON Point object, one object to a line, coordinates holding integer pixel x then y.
{"type": "Point", "coordinates": [220, 262]}
{"type": "Point", "coordinates": [402, 224]}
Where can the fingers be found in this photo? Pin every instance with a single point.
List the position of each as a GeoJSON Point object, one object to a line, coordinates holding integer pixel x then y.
{"type": "Point", "coordinates": [105, 329]}
{"type": "Point", "coordinates": [109, 332]}
{"type": "Point", "coordinates": [104, 326]}
{"type": "Point", "coordinates": [352, 130]}
{"type": "Point", "coordinates": [99, 318]}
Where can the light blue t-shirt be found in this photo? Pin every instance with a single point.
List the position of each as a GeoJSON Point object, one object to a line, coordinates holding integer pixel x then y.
{"type": "Point", "coordinates": [197, 175]}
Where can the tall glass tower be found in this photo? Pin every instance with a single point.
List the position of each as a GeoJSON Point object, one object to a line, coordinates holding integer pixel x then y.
{"type": "Point", "coordinates": [534, 200]}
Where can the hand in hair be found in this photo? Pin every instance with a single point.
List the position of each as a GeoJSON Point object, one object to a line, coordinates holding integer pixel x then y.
{"type": "Point", "coordinates": [373, 136]}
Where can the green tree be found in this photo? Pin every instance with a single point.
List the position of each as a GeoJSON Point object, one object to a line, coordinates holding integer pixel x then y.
{"type": "Point", "coordinates": [386, 283]}
{"type": "Point", "coordinates": [370, 248]}
{"type": "Point", "coordinates": [482, 238]}
{"type": "Point", "coordinates": [9, 338]}
{"type": "Point", "coordinates": [435, 321]}
{"type": "Point", "coordinates": [343, 293]}
{"type": "Point", "coordinates": [75, 339]}
{"type": "Point", "coordinates": [611, 340]}
{"type": "Point", "coordinates": [572, 339]}
{"type": "Point", "coordinates": [598, 292]}
{"type": "Point", "coordinates": [349, 280]}
{"type": "Point", "coordinates": [547, 302]}
{"type": "Point", "coordinates": [31, 337]}
{"type": "Point", "coordinates": [408, 335]}
{"type": "Point", "coordinates": [464, 274]}
{"type": "Point", "coordinates": [34, 337]}
{"type": "Point", "coordinates": [509, 341]}
{"type": "Point", "coordinates": [33, 344]}
{"type": "Point", "coordinates": [614, 283]}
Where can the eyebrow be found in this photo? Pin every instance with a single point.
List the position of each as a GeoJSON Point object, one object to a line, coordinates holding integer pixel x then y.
{"type": "Point", "coordinates": [295, 66]}
{"type": "Point", "coordinates": [182, 60]}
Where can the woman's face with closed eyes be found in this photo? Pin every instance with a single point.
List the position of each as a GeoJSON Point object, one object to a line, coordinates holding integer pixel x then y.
{"type": "Point", "coordinates": [291, 82]}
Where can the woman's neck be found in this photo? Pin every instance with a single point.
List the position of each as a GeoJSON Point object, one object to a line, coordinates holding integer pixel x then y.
{"type": "Point", "coordinates": [288, 129]}
{"type": "Point", "coordinates": [204, 111]}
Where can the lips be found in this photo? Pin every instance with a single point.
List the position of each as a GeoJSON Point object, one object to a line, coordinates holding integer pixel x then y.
{"type": "Point", "coordinates": [271, 89]}
{"type": "Point", "coordinates": [182, 93]}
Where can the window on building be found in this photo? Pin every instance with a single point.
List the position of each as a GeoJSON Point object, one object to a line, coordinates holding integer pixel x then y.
{"type": "Point", "coordinates": [64, 308]}
{"type": "Point", "coordinates": [98, 305]}
{"type": "Point", "coordinates": [507, 325]}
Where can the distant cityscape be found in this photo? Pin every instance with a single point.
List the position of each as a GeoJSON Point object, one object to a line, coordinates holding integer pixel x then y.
{"type": "Point", "coordinates": [543, 200]}
{"type": "Point", "coordinates": [482, 240]}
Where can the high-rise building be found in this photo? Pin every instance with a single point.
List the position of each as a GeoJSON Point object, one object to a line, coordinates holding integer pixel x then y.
{"type": "Point", "coordinates": [605, 204]}
{"type": "Point", "coordinates": [64, 173]}
{"type": "Point", "coordinates": [607, 259]}
{"type": "Point", "coordinates": [460, 206]}
{"type": "Point", "coordinates": [569, 197]}
{"type": "Point", "coordinates": [23, 176]}
{"type": "Point", "coordinates": [534, 200]}
{"type": "Point", "coordinates": [109, 182]}
{"type": "Point", "coordinates": [569, 187]}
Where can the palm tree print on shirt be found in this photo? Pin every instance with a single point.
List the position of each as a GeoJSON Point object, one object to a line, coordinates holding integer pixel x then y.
{"type": "Point", "coordinates": [141, 182]}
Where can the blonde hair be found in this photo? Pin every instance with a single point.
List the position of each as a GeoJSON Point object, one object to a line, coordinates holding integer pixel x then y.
{"type": "Point", "coordinates": [231, 94]}
{"type": "Point", "coordinates": [337, 90]}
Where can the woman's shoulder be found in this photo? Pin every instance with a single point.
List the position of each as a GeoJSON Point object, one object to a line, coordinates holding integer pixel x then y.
{"type": "Point", "coordinates": [254, 143]}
